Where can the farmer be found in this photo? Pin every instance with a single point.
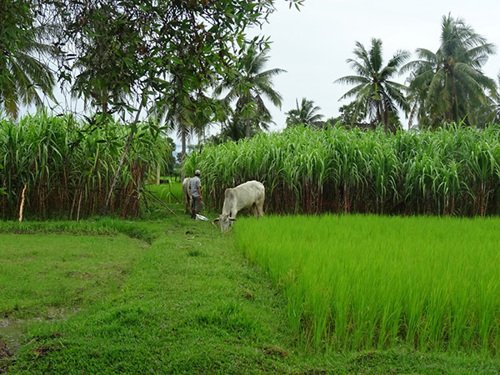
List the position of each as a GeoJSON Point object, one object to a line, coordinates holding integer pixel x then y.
{"type": "Point", "coordinates": [195, 186]}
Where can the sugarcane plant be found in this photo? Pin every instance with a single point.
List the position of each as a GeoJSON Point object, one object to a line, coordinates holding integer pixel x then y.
{"type": "Point", "coordinates": [452, 171]}
{"type": "Point", "coordinates": [64, 167]}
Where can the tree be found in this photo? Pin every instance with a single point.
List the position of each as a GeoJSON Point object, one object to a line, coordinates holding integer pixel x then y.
{"type": "Point", "coordinates": [349, 117]}
{"type": "Point", "coordinates": [374, 91]}
{"type": "Point", "coordinates": [497, 106]}
{"type": "Point", "coordinates": [132, 46]}
{"type": "Point", "coordinates": [448, 85]}
{"type": "Point", "coordinates": [157, 50]}
{"type": "Point", "coordinates": [249, 85]}
{"type": "Point", "coordinates": [23, 74]}
{"type": "Point", "coordinates": [189, 115]}
{"type": "Point", "coordinates": [102, 73]}
{"type": "Point", "coordinates": [304, 114]}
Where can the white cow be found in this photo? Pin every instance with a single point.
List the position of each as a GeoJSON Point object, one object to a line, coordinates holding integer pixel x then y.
{"type": "Point", "coordinates": [249, 194]}
{"type": "Point", "coordinates": [186, 192]}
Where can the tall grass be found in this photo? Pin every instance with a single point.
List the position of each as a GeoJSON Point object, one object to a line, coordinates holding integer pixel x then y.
{"type": "Point", "coordinates": [368, 282]}
{"type": "Point", "coordinates": [453, 171]}
{"type": "Point", "coordinates": [170, 192]}
{"type": "Point", "coordinates": [65, 167]}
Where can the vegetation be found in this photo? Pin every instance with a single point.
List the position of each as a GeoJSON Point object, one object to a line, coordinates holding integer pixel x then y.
{"type": "Point", "coordinates": [186, 118]}
{"type": "Point", "coordinates": [249, 85]}
{"type": "Point", "coordinates": [179, 299]}
{"type": "Point", "coordinates": [443, 86]}
{"type": "Point", "coordinates": [23, 73]}
{"type": "Point", "coordinates": [453, 171]}
{"type": "Point", "coordinates": [367, 282]}
{"type": "Point", "coordinates": [56, 166]}
{"type": "Point", "coordinates": [448, 85]}
{"type": "Point", "coordinates": [375, 91]}
{"type": "Point", "coordinates": [306, 114]}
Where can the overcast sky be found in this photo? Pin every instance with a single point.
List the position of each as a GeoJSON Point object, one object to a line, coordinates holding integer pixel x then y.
{"type": "Point", "coordinates": [312, 45]}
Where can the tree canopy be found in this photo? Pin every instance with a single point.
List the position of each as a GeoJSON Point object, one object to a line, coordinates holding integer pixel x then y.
{"type": "Point", "coordinates": [248, 86]}
{"type": "Point", "coordinates": [115, 53]}
{"type": "Point", "coordinates": [24, 75]}
{"type": "Point", "coordinates": [448, 85]}
{"type": "Point", "coordinates": [375, 91]}
{"type": "Point", "coordinates": [306, 114]}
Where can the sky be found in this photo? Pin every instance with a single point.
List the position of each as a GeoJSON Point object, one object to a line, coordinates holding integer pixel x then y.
{"type": "Point", "coordinates": [313, 44]}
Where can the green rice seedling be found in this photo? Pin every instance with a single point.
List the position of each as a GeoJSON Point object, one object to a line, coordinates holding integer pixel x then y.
{"type": "Point", "coordinates": [367, 282]}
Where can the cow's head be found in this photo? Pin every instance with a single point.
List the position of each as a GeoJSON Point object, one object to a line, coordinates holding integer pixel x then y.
{"type": "Point", "coordinates": [225, 222]}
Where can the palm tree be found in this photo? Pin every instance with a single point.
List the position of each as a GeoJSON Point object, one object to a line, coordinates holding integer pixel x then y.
{"type": "Point", "coordinates": [305, 114]}
{"type": "Point", "coordinates": [448, 85]}
{"type": "Point", "coordinates": [374, 91]}
{"type": "Point", "coordinates": [180, 117]}
{"type": "Point", "coordinates": [249, 86]}
{"type": "Point", "coordinates": [23, 75]}
{"type": "Point", "coordinates": [497, 105]}
{"type": "Point", "coordinates": [96, 88]}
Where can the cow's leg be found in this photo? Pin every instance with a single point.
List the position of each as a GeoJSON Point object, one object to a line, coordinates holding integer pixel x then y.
{"type": "Point", "coordinates": [260, 205]}
{"type": "Point", "coordinates": [255, 209]}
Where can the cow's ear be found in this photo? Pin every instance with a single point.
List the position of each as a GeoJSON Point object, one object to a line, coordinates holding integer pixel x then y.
{"type": "Point", "coordinates": [216, 220]}
{"type": "Point", "coordinates": [232, 218]}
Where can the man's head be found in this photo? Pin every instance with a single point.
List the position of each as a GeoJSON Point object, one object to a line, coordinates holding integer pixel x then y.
{"type": "Point", "coordinates": [197, 173]}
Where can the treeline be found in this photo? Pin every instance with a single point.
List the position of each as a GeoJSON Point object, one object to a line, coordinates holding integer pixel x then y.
{"type": "Point", "coordinates": [452, 171]}
{"type": "Point", "coordinates": [54, 166]}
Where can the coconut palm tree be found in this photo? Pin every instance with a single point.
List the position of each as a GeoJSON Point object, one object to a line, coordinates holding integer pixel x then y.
{"type": "Point", "coordinates": [304, 114]}
{"type": "Point", "coordinates": [448, 85]}
{"type": "Point", "coordinates": [180, 118]}
{"type": "Point", "coordinates": [249, 86]}
{"type": "Point", "coordinates": [497, 106]}
{"type": "Point", "coordinates": [23, 74]}
{"type": "Point", "coordinates": [375, 92]}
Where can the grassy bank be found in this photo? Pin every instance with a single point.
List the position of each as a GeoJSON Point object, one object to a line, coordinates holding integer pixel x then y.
{"type": "Point", "coordinates": [184, 300]}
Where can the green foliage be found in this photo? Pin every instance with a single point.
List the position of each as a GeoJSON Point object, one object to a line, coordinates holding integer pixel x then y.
{"type": "Point", "coordinates": [163, 311]}
{"type": "Point", "coordinates": [448, 85]}
{"type": "Point", "coordinates": [248, 86]}
{"type": "Point", "coordinates": [157, 49]}
{"type": "Point", "coordinates": [304, 114]}
{"type": "Point", "coordinates": [23, 73]}
{"type": "Point", "coordinates": [170, 192]}
{"type": "Point", "coordinates": [453, 171]}
{"type": "Point", "coordinates": [369, 282]}
{"type": "Point", "coordinates": [187, 303]}
{"type": "Point", "coordinates": [65, 167]}
{"type": "Point", "coordinates": [375, 92]}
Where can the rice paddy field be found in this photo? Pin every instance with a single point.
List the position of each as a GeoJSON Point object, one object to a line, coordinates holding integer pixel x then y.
{"type": "Point", "coordinates": [356, 282]}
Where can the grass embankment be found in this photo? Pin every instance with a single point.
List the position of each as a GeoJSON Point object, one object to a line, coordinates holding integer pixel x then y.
{"type": "Point", "coordinates": [184, 300]}
{"type": "Point", "coordinates": [187, 303]}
